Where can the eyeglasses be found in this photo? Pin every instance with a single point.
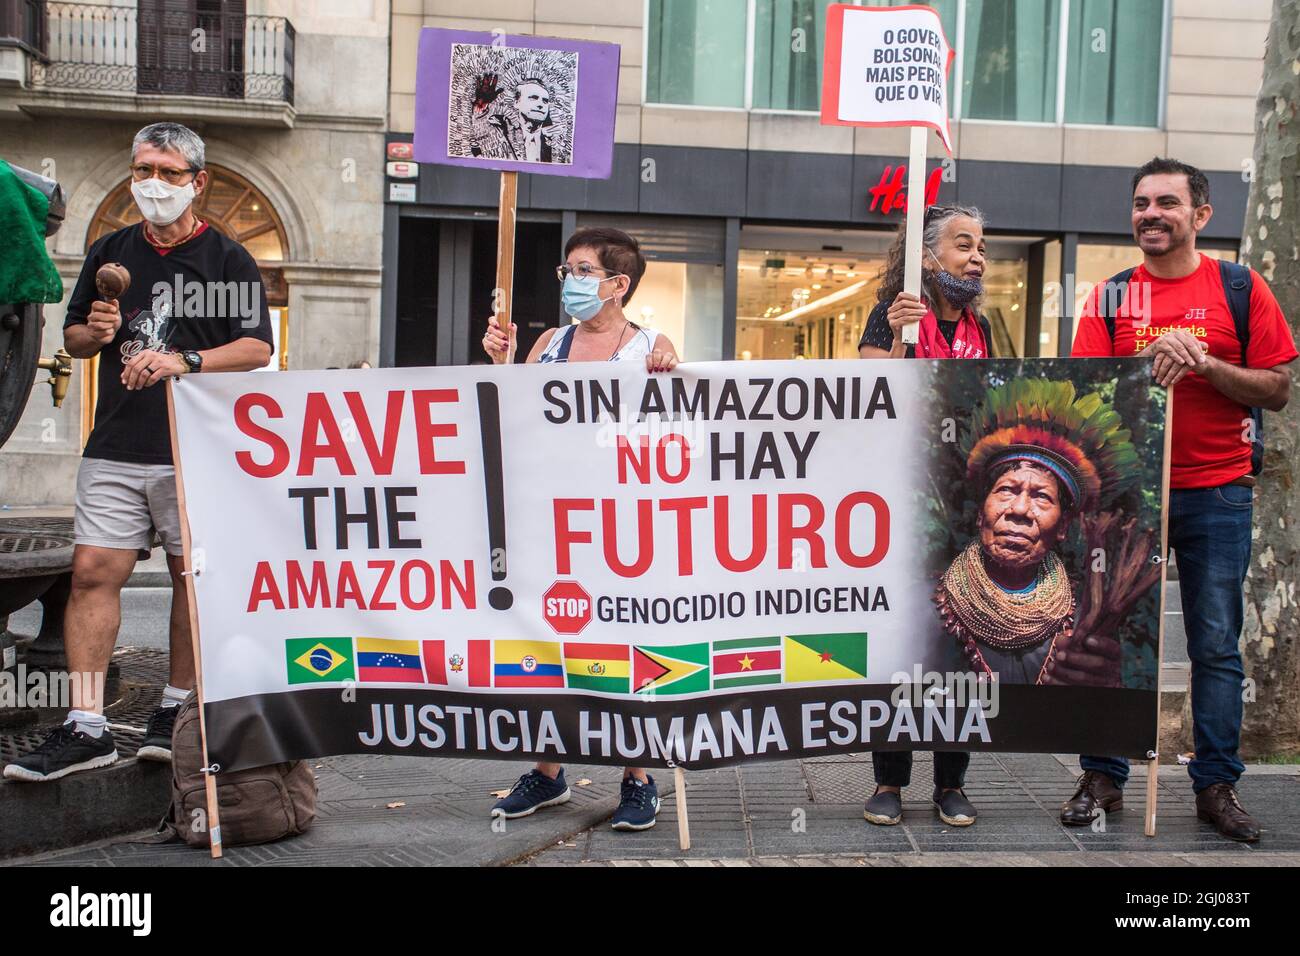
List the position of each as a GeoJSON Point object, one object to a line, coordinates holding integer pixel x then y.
{"type": "Point", "coordinates": [582, 270]}
{"type": "Point", "coordinates": [169, 174]}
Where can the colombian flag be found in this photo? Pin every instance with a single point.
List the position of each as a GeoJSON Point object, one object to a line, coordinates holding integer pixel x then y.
{"type": "Point", "coordinates": [527, 664]}
{"type": "Point", "coordinates": [602, 667]}
{"type": "Point", "coordinates": [383, 660]}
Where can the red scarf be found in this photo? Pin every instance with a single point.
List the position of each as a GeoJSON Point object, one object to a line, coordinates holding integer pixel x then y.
{"type": "Point", "coordinates": [967, 341]}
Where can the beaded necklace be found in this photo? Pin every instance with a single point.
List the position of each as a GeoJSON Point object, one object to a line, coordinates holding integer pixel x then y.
{"type": "Point", "coordinates": [1000, 619]}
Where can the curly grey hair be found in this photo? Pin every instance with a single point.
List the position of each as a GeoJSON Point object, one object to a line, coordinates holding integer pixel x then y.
{"type": "Point", "coordinates": [936, 220]}
{"type": "Point", "coordinates": [172, 136]}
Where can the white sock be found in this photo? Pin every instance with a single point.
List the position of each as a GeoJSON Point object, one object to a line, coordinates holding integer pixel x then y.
{"type": "Point", "coordinates": [87, 723]}
{"type": "Point", "coordinates": [173, 696]}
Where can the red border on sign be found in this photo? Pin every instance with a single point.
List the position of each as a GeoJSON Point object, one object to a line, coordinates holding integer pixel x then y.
{"type": "Point", "coordinates": [831, 70]}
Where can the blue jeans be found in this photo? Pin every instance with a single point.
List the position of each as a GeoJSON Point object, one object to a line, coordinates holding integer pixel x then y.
{"type": "Point", "coordinates": [1209, 531]}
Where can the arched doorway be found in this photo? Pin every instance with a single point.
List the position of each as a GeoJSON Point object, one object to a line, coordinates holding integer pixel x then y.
{"type": "Point", "coordinates": [238, 209]}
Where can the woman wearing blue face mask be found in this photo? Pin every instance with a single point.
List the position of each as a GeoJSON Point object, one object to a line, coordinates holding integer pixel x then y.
{"type": "Point", "coordinates": [601, 270]}
{"type": "Point", "coordinates": [950, 327]}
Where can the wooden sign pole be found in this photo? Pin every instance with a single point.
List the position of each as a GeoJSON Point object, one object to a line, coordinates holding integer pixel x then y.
{"type": "Point", "coordinates": [503, 294]}
{"type": "Point", "coordinates": [209, 775]}
{"type": "Point", "coordinates": [1153, 764]}
{"type": "Point", "coordinates": [915, 221]}
{"type": "Point", "coordinates": [683, 821]}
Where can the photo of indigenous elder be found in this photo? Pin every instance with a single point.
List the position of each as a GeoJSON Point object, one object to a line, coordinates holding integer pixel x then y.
{"type": "Point", "coordinates": [1060, 535]}
{"type": "Point", "coordinates": [512, 103]}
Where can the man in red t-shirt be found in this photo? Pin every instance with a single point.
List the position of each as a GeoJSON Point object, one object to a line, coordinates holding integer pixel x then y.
{"type": "Point", "coordinates": [1175, 311]}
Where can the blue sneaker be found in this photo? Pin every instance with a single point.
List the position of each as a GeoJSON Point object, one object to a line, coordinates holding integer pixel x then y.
{"type": "Point", "coordinates": [533, 791]}
{"type": "Point", "coordinates": [638, 805]}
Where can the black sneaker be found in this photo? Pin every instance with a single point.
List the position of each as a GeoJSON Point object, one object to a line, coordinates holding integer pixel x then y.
{"type": "Point", "coordinates": [638, 805]}
{"type": "Point", "coordinates": [885, 808]}
{"type": "Point", "coordinates": [954, 809]}
{"type": "Point", "coordinates": [66, 750]}
{"type": "Point", "coordinates": [157, 744]}
{"type": "Point", "coordinates": [533, 791]}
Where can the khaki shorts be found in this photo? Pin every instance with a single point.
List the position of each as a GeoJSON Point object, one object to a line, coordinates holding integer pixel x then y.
{"type": "Point", "coordinates": [121, 505]}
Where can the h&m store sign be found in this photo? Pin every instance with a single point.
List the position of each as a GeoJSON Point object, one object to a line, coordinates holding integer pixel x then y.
{"type": "Point", "coordinates": [889, 195]}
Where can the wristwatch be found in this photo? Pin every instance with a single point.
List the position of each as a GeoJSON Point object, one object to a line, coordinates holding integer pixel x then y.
{"type": "Point", "coordinates": [193, 360]}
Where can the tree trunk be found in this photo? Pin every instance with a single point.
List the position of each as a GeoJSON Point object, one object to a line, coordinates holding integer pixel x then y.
{"type": "Point", "coordinates": [1271, 246]}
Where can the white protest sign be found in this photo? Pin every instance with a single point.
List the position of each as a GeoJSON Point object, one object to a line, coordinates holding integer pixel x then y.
{"type": "Point", "coordinates": [886, 66]}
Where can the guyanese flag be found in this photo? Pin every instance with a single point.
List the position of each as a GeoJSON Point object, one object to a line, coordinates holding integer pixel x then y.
{"type": "Point", "coordinates": [812, 657]}
{"type": "Point", "coordinates": [683, 669]}
{"type": "Point", "coordinates": [602, 667]}
{"type": "Point", "coordinates": [314, 660]}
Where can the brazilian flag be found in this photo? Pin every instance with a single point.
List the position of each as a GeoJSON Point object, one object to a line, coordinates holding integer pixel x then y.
{"type": "Point", "coordinates": [319, 660]}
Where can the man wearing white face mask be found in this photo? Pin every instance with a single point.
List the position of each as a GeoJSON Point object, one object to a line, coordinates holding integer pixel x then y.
{"type": "Point", "coordinates": [126, 488]}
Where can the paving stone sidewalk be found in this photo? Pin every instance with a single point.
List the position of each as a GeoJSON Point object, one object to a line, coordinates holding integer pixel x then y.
{"type": "Point", "coordinates": [810, 813]}
{"type": "Point", "coordinates": [803, 813]}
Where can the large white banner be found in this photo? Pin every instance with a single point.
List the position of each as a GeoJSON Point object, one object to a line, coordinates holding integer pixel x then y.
{"type": "Point", "coordinates": [386, 559]}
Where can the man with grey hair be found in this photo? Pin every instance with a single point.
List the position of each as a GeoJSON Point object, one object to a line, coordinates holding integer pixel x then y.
{"type": "Point", "coordinates": [126, 487]}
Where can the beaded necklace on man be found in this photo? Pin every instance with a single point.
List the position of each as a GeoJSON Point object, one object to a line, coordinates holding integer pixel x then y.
{"type": "Point", "coordinates": [159, 244]}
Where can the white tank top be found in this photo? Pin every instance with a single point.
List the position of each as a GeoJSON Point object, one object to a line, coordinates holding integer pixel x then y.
{"type": "Point", "coordinates": [636, 348]}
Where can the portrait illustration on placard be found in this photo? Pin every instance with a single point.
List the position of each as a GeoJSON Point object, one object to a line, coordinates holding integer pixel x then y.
{"type": "Point", "coordinates": [512, 103]}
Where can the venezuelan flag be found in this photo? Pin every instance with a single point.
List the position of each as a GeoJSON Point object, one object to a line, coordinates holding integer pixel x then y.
{"type": "Point", "coordinates": [600, 667]}
{"type": "Point", "coordinates": [526, 664]}
{"type": "Point", "coordinates": [382, 660]}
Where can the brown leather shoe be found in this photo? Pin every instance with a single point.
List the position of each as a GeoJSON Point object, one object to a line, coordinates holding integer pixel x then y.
{"type": "Point", "coordinates": [1095, 791]}
{"type": "Point", "coordinates": [1218, 804]}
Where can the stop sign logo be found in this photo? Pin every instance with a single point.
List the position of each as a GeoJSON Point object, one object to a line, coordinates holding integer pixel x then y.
{"type": "Point", "coordinates": [566, 607]}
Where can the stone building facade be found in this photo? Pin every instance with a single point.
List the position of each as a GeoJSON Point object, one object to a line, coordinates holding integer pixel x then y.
{"type": "Point", "coordinates": [289, 96]}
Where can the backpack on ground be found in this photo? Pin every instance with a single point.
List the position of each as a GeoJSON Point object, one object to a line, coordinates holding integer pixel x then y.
{"type": "Point", "coordinates": [256, 805]}
{"type": "Point", "coordinates": [1237, 282]}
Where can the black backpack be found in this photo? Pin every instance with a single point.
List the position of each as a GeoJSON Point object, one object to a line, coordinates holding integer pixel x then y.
{"type": "Point", "coordinates": [1237, 282]}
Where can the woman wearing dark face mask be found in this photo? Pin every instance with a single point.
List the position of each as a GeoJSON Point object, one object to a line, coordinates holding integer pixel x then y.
{"type": "Point", "coordinates": [952, 273]}
{"type": "Point", "coordinates": [602, 269]}
{"type": "Point", "coordinates": [950, 327]}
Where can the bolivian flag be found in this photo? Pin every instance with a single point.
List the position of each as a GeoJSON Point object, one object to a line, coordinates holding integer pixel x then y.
{"type": "Point", "coordinates": [316, 660]}
{"type": "Point", "coordinates": [813, 657]}
{"type": "Point", "coordinates": [602, 667]}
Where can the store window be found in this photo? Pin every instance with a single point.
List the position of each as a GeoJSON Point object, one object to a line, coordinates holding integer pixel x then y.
{"type": "Point", "coordinates": [808, 294]}
{"type": "Point", "coordinates": [810, 302]}
{"type": "Point", "coordinates": [1004, 303]}
{"type": "Point", "coordinates": [1010, 60]}
{"type": "Point", "coordinates": [696, 52]}
{"type": "Point", "coordinates": [1114, 62]}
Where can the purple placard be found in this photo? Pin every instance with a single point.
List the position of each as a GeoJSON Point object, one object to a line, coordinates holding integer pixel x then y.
{"type": "Point", "coordinates": [525, 103]}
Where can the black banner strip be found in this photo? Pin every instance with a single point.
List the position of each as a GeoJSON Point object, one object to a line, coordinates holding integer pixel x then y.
{"type": "Point", "coordinates": [715, 731]}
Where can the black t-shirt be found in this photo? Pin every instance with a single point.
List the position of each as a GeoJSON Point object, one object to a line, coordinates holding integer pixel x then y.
{"type": "Point", "coordinates": [220, 299]}
{"type": "Point", "coordinates": [879, 335]}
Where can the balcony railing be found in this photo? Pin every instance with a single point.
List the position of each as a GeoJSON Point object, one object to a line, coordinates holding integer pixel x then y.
{"type": "Point", "coordinates": [92, 47]}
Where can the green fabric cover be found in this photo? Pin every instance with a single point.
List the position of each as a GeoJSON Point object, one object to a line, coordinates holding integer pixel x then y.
{"type": "Point", "coordinates": [27, 274]}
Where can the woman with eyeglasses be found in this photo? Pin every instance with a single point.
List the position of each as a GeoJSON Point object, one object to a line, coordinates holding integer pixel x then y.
{"type": "Point", "coordinates": [952, 277]}
{"type": "Point", "coordinates": [602, 269]}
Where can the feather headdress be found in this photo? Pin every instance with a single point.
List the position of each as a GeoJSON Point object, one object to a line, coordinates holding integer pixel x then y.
{"type": "Point", "coordinates": [1083, 442]}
